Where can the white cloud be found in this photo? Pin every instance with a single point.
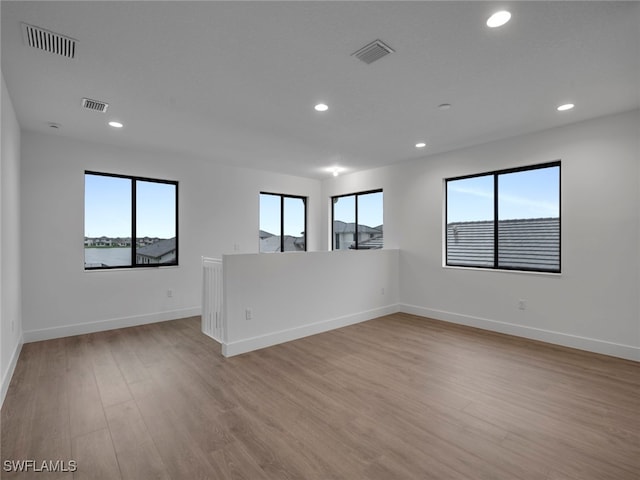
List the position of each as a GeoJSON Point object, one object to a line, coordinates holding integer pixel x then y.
{"type": "Point", "coordinates": [514, 206]}
{"type": "Point", "coordinates": [544, 207]}
{"type": "Point", "coordinates": [473, 191]}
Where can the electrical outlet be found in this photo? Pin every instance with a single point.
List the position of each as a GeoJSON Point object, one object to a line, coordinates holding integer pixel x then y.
{"type": "Point", "coordinates": [236, 247]}
{"type": "Point", "coordinates": [522, 305]}
{"type": "Point", "coordinates": [248, 314]}
{"type": "Point", "coordinates": [382, 291]}
{"type": "Point", "coordinates": [169, 293]}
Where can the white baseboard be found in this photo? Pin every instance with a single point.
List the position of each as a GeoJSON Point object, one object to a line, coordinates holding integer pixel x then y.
{"type": "Point", "coordinates": [628, 352]}
{"type": "Point", "coordinates": [8, 373]}
{"type": "Point", "coordinates": [230, 349]}
{"type": "Point", "coordinates": [110, 324]}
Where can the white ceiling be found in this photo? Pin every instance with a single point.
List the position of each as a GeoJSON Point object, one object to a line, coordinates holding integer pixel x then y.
{"type": "Point", "coordinates": [236, 82]}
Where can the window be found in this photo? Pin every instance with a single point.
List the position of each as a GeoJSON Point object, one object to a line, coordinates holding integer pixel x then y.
{"type": "Point", "coordinates": [357, 221]}
{"type": "Point", "coordinates": [283, 223]}
{"type": "Point", "coordinates": [508, 219]}
{"type": "Point", "coordinates": [129, 221]}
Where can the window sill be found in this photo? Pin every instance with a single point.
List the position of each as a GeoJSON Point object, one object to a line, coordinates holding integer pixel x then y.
{"type": "Point", "coordinates": [130, 269]}
{"type": "Point", "coordinates": [501, 270]}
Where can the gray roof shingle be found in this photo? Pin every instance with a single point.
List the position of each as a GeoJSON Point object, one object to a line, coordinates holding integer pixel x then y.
{"type": "Point", "coordinates": [158, 249]}
{"type": "Point", "coordinates": [343, 227]}
{"type": "Point", "coordinates": [532, 243]}
{"type": "Point", "coordinates": [272, 244]}
{"type": "Point", "coordinates": [371, 244]}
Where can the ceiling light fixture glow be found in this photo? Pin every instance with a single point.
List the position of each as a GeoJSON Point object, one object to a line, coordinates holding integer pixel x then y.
{"type": "Point", "coordinates": [421, 145]}
{"type": "Point", "coordinates": [498, 19]}
{"type": "Point", "coordinates": [335, 170]}
{"type": "Point", "coordinates": [116, 124]}
{"type": "Point", "coordinates": [565, 107]}
{"type": "Point", "coordinates": [321, 107]}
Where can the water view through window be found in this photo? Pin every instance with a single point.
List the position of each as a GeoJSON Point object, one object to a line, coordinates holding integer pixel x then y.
{"type": "Point", "coordinates": [110, 204]}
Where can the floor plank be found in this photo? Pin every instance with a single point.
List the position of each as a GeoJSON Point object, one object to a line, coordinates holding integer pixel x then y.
{"type": "Point", "coordinates": [95, 456]}
{"type": "Point", "coordinates": [392, 398]}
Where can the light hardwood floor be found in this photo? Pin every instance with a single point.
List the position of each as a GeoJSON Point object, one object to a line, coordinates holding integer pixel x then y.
{"type": "Point", "coordinates": [399, 397]}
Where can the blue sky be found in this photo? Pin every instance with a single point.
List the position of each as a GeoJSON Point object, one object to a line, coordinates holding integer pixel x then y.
{"type": "Point", "coordinates": [270, 215]}
{"type": "Point", "coordinates": [107, 204]}
{"type": "Point", "coordinates": [370, 209]}
{"type": "Point", "coordinates": [370, 212]}
{"type": "Point", "coordinates": [527, 194]}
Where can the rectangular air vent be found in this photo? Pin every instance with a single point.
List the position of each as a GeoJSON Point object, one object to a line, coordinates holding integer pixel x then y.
{"type": "Point", "coordinates": [95, 105]}
{"type": "Point", "coordinates": [373, 51]}
{"type": "Point", "coordinates": [51, 42]}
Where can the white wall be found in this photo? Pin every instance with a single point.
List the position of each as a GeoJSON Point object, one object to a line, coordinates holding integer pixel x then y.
{"type": "Point", "coordinates": [10, 294]}
{"type": "Point", "coordinates": [218, 209]}
{"type": "Point", "coordinates": [593, 304]}
{"type": "Point", "coordinates": [293, 295]}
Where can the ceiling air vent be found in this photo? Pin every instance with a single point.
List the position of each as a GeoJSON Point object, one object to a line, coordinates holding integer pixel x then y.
{"type": "Point", "coordinates": [373, 51]}
{"type": "Point", "coordinates": [95, 105]}
{"type": "Point", "coordinates": [51, 42]}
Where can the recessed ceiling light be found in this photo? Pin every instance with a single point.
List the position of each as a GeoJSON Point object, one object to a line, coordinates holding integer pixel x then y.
{"type": "Point", "coordinates": [565, 107]}
{"type": "Point", "coordinates": [421, 145]}
{"type": "Point", "coordinates": [116, 124]}
{"type": "Point", "coordinates": [498, 19]}
{"type": "Point", "coordinates": [55, 126]}
{"type": "Point", "coordinates": [321, 107]}
{"type": "Point", "coordinates": [335, 170]}
{"type": "Point", "coordinates": [444, 106]}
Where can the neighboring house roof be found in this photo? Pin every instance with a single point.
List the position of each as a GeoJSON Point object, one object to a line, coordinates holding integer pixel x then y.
{"type": "Point", "coordinates": [523, 243]}
{"type": "Point", "coordinates": [343, 227]}
{"type": "Point", "coordinates": [264, 234]}
{"type": "Point", "coordinates": [272, 244]}
{"type": "Point", "coordinates": [372, 243]}
{"type": "Point", "coordinates": [158, 249]}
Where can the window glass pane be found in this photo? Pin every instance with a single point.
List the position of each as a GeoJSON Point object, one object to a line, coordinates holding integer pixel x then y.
{"type": "Point", "coordinates": [294, 212]}
{"type": "Point", "coordinates": [155, 223]}
{"type": "Point", "coordinates": [529, 219]}
{"type": "Point", "coordinates": [107, 221]}
{"type": "Point", "coordinates": [269, 223]}
{"type": "Point", "coordinates": [370, 208]}
{"type": "Point", "coordinates": [344, 222]}
{"type": "Point", "coordinates": [470, 232]}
